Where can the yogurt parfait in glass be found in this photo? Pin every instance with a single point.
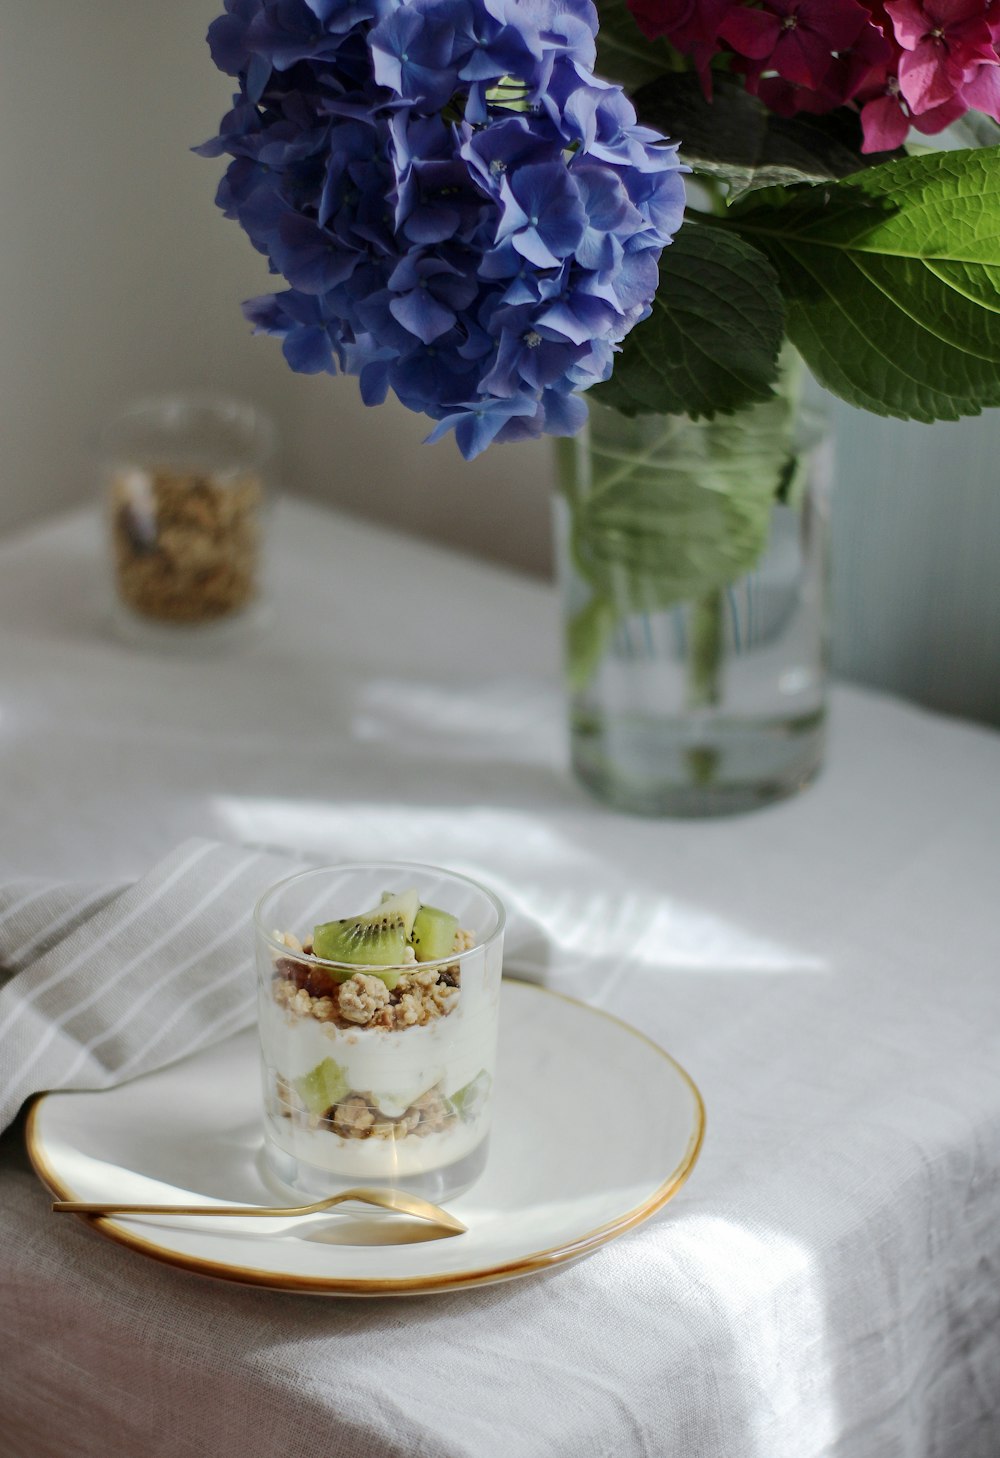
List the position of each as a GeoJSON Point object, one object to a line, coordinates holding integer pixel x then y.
{"type": "Point", "coordinates": [378, 990]}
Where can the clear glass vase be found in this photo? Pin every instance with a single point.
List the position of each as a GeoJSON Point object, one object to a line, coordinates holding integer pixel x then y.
{"type": "Point", "coordinates": [692, 559]}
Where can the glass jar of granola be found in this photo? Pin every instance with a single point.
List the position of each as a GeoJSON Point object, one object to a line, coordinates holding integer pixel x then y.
{"type": "Point", "coordinates": [185, 493]}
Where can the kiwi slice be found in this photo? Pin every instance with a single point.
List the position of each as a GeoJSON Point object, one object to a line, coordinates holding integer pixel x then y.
{"type": "Point", "coordinates": [322, 1087]}
{"type": "Point", "coordinates": [375, 940]}
{"type": "Point", "coordinates": [469, 1101]}
{"type": "Point", "coordinates": [433, 936]}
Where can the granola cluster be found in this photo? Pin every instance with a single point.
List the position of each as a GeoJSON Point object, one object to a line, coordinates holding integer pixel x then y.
{"type": "Point", "coordinates": [363, 1001]}
{"type": "Point", "coordinates": [356, 1116]}
{"type": "Point", "coordinates": [186, 545]}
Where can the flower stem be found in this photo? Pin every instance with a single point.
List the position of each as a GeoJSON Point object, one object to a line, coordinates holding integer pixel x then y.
{"type": "Point", "coordinates": [704, 669]}
{"type": "Point", "coordinates": [704, 679]}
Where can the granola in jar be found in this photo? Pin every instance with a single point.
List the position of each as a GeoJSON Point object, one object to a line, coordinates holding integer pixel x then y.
{"type": "Point", "coordinates": [185, 498]}
{"type": "Point", "coordinates": [187, 545]}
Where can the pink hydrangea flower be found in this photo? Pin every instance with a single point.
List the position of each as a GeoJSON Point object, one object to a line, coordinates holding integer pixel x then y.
{"type": "Point", "coordinates": [693, 26]}
{"type": "Point", "coordinates": [686, 22]}
{"type": "Point", "coordinates": [943, 43]}
{"type": "Point", "coordinates": [869, 57]}
{"type": "Point", "coordinates": [795, 38]}
{"type": "Point", "coordinates": [982, 92]}
{"type": "Point", "coordinates": [886, 118]}
{"type": "Point", "coordinates": [904, 64]}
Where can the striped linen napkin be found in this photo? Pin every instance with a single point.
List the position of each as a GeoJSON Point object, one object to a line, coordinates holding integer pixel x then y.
{"type": "Point", "coordinates": [98, 985]}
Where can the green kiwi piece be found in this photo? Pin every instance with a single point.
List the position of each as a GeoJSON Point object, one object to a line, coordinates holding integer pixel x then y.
{"type": "Point", "coordinates": [322, 1087]}
{"type": "Point", "coordinates": [469, 1101]}
{"type": "Point", "coordinates": [433, 935]}
{"type": "Point", "coordinates": [375, 940]}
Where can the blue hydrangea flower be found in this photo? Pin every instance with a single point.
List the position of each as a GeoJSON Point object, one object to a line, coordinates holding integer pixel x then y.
{"type": "Point", "coordinates": [465, 214]}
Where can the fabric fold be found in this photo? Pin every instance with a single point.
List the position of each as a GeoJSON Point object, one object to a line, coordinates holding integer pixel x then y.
{"type": "Point", "coordinates": [103, 984]}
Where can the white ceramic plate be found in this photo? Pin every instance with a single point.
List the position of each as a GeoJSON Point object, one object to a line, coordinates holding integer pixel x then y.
{"type": "Point", "coordinates": [595, 1128]}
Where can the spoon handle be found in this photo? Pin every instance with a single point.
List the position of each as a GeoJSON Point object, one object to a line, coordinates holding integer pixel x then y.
{"type": "Point", "coordinates": [100, 1207]}
{"type": "Point", "coordinates": [395, 1200]}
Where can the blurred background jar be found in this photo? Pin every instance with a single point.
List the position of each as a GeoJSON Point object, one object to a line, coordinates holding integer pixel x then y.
{"type": "Point", "coordinates": [186, 489]}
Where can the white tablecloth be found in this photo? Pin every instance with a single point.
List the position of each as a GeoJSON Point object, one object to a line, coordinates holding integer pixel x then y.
{"type": "Point", "coordinates": [828, 1283]}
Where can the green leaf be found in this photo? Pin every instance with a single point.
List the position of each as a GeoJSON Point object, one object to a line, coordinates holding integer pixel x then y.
{"type": "Point", "coordinates": [890, 281]}
{"type": "Point", "coordinates": [674, 508]}
{"type": "Point", "coordinates": [711, 343]}
{"type": "Point", "coordinates": [977, 282]}
{"type": "Point", "coordinates": [624, 54]}
{"type": "Point", "coordinates": [736, 139]}
{"type": "Point", "coordinates": [937, 205]}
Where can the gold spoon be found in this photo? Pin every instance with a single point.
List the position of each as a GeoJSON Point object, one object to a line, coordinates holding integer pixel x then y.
{"type": "Point", "coordinates": [396, 1200]}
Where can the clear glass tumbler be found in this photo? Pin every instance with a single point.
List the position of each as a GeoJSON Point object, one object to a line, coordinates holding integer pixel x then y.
{"type": "Point", "coordinates": [185, 496]}
{"type": "Point", "coordinates": [377, 1075]}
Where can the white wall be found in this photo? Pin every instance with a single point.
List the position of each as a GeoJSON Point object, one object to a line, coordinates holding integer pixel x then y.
{"type": "Point", "coordinates": [119, 276]}
{"type": "Point", "coordinates": [916, 559]}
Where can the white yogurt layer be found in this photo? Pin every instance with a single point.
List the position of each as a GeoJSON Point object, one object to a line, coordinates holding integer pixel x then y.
{"type": "Point", "coordinates": [394, 1066]}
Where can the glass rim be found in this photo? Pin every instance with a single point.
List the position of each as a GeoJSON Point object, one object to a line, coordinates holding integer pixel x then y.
{"type": "Point", "coordinates": [266, 934]}
{"type": "Point", "coordinates": [154, 409]}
